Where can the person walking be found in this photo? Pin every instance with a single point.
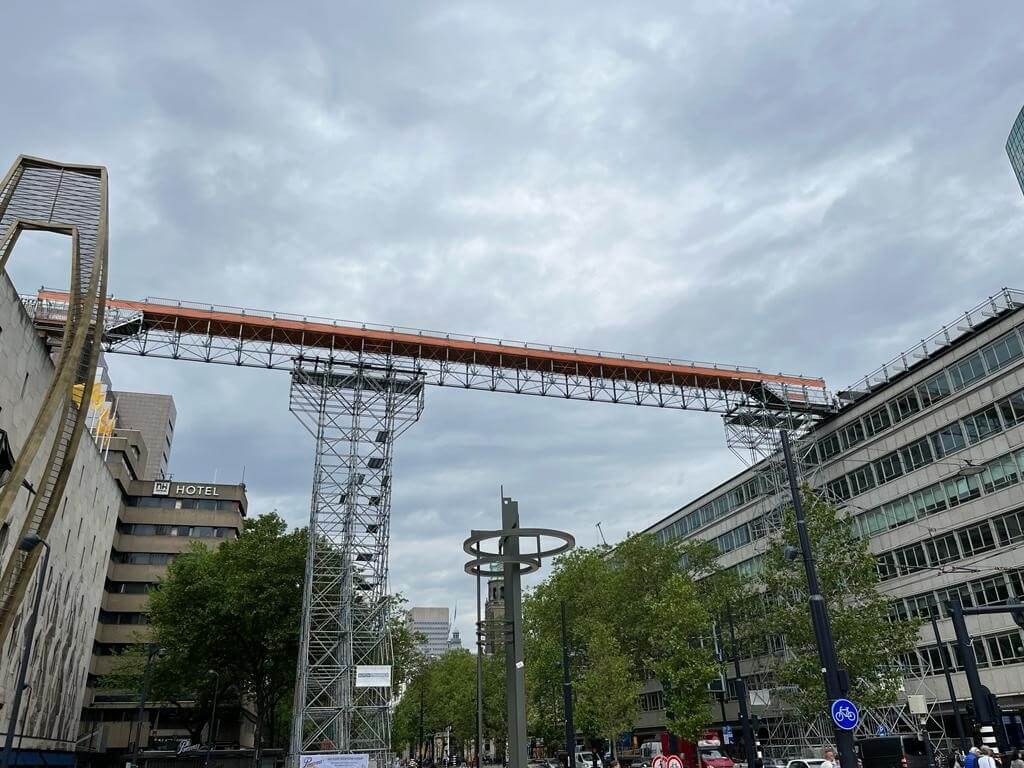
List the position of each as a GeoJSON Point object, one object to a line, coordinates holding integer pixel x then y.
{"type": "Point", "coordinates": [829, 759]}
{"type": "Point", "coordinates": [971, 758]}
{"type": "Point", "coordinates": [986, 760]}
{"type": "Point", "coordinates": [1018, 760]}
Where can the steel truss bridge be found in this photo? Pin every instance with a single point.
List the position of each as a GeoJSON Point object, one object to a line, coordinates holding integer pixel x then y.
{"type": "Point", "coordinates": [356, 387]}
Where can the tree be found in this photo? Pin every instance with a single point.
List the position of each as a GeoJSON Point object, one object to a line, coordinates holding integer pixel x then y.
{"type": "Point", "coordinates": [632, 609]}
{"type": "Point", "coordinates": [867, 641]}
{"type": "Point", "coordinates": [236, 610]}
{"type": "Point", "coordinates": [442, 691]}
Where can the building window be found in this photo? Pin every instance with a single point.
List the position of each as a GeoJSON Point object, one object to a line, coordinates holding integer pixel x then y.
{"type": "Point", "coordinates": [852, 434]}
{"type": "Point", "coordinates": [1010, 528]}
{"type": "Point", "coordinates": [1002, 351]}
{"type": "Point", "coordinates": [861, 480]}
{"type": "Point", "coordinates": [911, 559]}
{"type": "Point", "coordinates": [990, 591]}
{"type": "Point", "coordinates": [829, 446]}
{"type": "Point", "coordinates": [961, 489]}
{"type": "Point", "coordinates": [888, 467]}
{"type": "Point", "coordinates": [943, 549]}
{"type": "Point", "coordinates": [878, 420]}
{"type": "Point", "coordinates": [976, 539]}
{"type": "Point", "coordinates": [982, 424]}
{"type": "Point", "coordinates": [839, 488]}
{"type": "Point", "coordinates": [1012, 408]}
{"type": "Point", "coordinates": [967, 371]}
{"type": "Point", "coordinates": [934, 389]}
{"type": "Point", "coordinates": [929, 500]}
{"type": "Point", "coordinates": [949, 439]}
{"type": "Point", "coordinates": [1006, 648]}
{"type": "Point", "coordinates": [999, 474]}
{"type": "Point", "coordinates": [916, 455]}
{"type": "Point", "coordinates": [905, 405]}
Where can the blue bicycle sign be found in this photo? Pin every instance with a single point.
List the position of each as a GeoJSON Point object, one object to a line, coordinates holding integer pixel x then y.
{"type": "Point", "coordinates": [845, 714]}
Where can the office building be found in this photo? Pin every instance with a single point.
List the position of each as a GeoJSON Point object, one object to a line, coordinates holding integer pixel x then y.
{"type": "Point", "coordinates": [153, 416]}
{"type": "Point", "coordinates": [79, 539]}
{"type": "Point", "coordinates": [433, 626]}
{"type": "Point", "coordinates": [158, 521]}
{"type": "Point", "coordinates": [899, 455]}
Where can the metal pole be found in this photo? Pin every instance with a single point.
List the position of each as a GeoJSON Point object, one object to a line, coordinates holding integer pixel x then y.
{"type": "Point", "coordinates": [422, 744]}
{"type": "Point", "coordinates": [834, 678]}
{"type": "Point", "coordinates": [515, 673]}
{"type": "Point", "coordinates": [720, 654]}
{"type": "Point", "coordinates": [479, 677]}
{"type": "Point", "coordinates": [137, 746]}
{"type": "Point", "coordinates": [213, 718]}
{"type": "Point", "coordinates": [26, 654]}
{"type": "Point", "coordinates": [570, 728]}
{"type": "Point", "coordinates": [960, 731]}
{"type": "Point", "coordinates": [741, 694]}
{"type": "Point", "coordinates": [982, 710]}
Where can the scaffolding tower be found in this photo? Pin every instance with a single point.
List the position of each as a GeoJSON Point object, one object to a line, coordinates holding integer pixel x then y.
{"type": "Point", "coordinates": [354, 413]}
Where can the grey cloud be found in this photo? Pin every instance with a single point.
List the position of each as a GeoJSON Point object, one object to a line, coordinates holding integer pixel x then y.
{"type": "Point", "coordinates": [799, 186]}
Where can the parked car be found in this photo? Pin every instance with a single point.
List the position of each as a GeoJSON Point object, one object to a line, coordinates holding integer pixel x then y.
{"type": "Point", "coordinates": [588, 760]}
{"type": "Point", "coordinates": [805, 762]}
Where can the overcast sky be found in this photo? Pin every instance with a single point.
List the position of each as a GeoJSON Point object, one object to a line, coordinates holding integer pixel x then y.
{"type": "Point", "coordinates": [804, 187]}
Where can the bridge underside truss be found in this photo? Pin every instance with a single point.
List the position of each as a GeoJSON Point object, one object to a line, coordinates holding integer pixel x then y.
{"type": "Point", "coordinates": [68, 200]}
{"type": "Point", "coordinates": [354, 414]}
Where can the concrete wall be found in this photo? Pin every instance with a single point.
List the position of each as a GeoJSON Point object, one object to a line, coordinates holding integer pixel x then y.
{"type": "Point", "coordinates": [80, 541]}
{"type": "Point", "coordinates": [154, 417]}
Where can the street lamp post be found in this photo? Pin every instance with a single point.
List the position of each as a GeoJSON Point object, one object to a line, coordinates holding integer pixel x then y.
{"type": "Point", "coordinates": [152, 651]}
{"type": "Point", "coordinates": [213, 716]}
{"type": "Point", "coordinates": [570, 727]}
{"type": "Point", "coordinates": [741, 695]}
{"type": "Point", "coordinates": [26, 545]}
{"type": "Point", "coordinates": [836, 681]}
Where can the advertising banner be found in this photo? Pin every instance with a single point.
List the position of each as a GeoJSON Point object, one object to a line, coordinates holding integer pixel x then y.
{"type": "Point", "coordinates": [373, 676]}
{"type": "Point", "coordinates": [335, 760]}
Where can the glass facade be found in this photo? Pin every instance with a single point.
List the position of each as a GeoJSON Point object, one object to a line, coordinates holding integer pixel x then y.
{"type": "Point", "coordinates": [1015, 148]}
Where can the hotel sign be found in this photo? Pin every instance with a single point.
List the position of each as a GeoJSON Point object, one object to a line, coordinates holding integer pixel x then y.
{"type": "Point", "coordinates": [167, 488]}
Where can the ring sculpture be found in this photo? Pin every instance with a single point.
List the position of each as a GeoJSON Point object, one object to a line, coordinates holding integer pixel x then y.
{"type": "Point", "coordinates": [70, 200]}
{"type": "Point", "coordinates": [527, 562]}
{"type": "Point", "coordinates": [514, 563]}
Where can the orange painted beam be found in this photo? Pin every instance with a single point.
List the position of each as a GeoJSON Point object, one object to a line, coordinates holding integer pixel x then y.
{"type": "Point", "coordinates": [240, 325]}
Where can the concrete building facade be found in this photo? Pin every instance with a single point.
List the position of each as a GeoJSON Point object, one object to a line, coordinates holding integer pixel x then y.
{"type": "Point", "coordinates": [434, 625]}
{"type": "Point", "coordinates": [893, 455]}
{"type": "Point", "coordinates": [158, 521]}
{"type": "Point", "coordinates": [80, 541]}
{"type": "Point", "coordinates": [154, 416]}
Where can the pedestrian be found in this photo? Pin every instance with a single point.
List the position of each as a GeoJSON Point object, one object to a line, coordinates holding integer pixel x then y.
{"type": "Point", "coordinates": [986, 760]}
{"type": "Point", "coordinates": [830, 759]}
{"type": "Point", "coordinates": [1018, 760]}
{"type": "Point", "coordinates": [971, 758]}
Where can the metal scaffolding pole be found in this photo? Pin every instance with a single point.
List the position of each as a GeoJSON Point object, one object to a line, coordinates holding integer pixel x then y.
{"type": "Point", "coordinates": [355, 413]}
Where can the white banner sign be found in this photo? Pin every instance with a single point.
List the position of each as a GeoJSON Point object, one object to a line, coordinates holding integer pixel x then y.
{"type": "Point", "coordinates": [335, 760]}
{"type": "Point", "coordinates": [372, 676]}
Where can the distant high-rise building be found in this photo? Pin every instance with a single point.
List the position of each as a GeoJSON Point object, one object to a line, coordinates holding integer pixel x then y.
{"type": "Point", "coordinates": [1015, 148]}
{"type": "Point", "coordinates": [153, 416]}
{"type": "Point", "coordinates": [433, 624]}
{"type": "Point", "coordinates": [455, 641]}
{"type": "Point", "coordinates": [494, 615]}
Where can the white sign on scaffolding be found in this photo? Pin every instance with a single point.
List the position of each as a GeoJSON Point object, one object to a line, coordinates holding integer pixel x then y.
{"type": "Point", "coordinates": [372, 676]}
{"type": "Point", "coordinates": [335, 760]}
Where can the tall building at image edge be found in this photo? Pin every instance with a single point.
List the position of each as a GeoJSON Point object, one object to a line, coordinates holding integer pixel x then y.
{"type": "Point", "coordinates": [892, 452]}
{"type": "Point", "coordinates": [1015, 148]}
{"type": "Point", "coordinates": [433, 625]}
{"type": "Point", "coordinates": [120, 526]}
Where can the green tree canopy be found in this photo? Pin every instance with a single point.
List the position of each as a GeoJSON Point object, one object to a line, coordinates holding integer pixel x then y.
{"type": "Point", "coordinates": [867, 642]}
{"type": "Point", "coordinates": [632, 610]}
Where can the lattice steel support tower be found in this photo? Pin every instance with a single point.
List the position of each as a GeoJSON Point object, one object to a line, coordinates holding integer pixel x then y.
{"type": "Point", "coordinates": [355, 413]}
